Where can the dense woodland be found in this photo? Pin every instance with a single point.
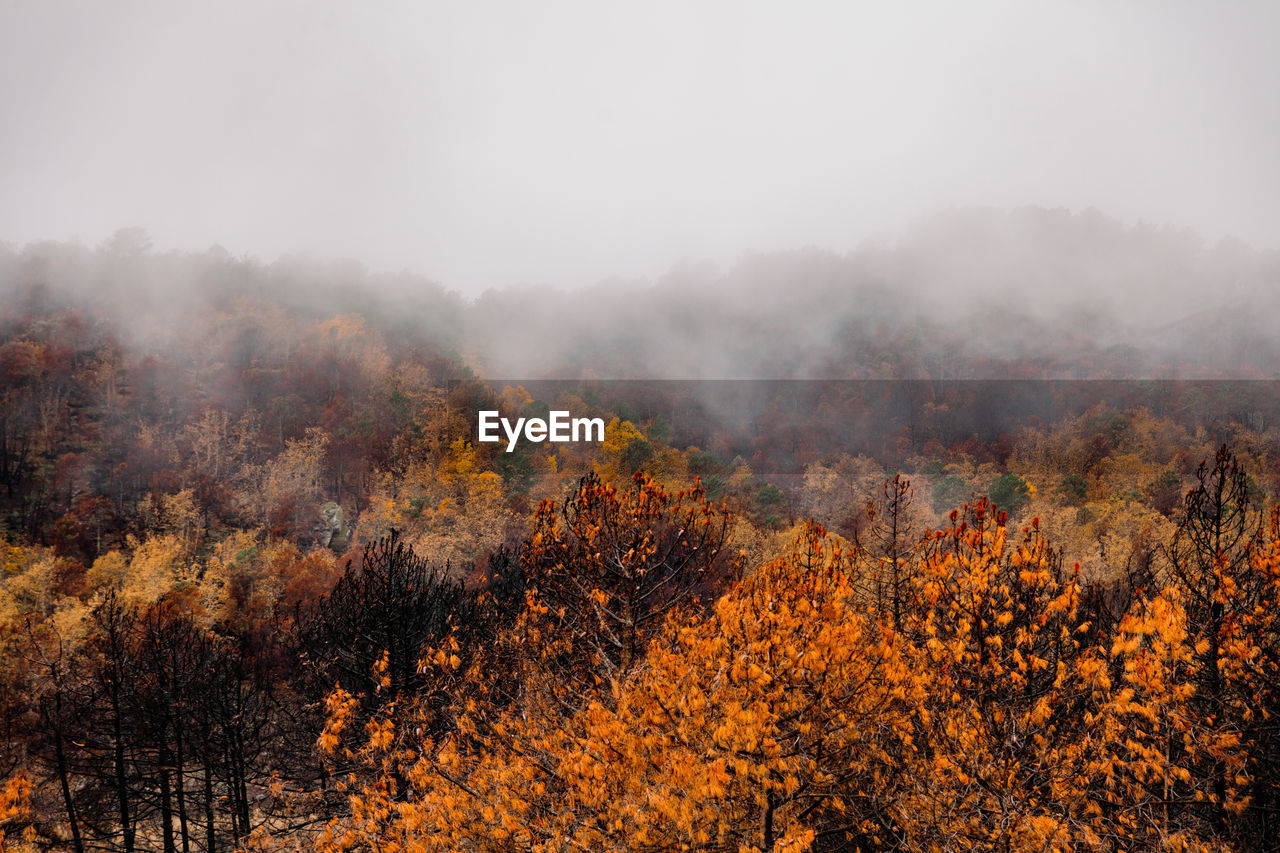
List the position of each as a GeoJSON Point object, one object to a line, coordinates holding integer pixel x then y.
{"type": "Point", "coordinates": [958, 570]}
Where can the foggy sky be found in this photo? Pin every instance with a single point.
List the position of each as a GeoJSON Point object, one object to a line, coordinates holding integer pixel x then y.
{"type": "Point", "coordinates": [495, 144]}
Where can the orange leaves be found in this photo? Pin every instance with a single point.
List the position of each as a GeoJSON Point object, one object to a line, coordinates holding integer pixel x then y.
{"type": "Point", "coordinates": [339, 706]}
{"type": "Point", "coordinates": [758, 709]}
{"type": "Point", "coordinates": [15, 803]}
{"type": "Point", "coordinates": [612, 565]}
{"type": "Point", "coordinates": [991, 712]}
{"type": "Point", "coordinates": [381, 734]}
{"type": "Point", "coordinates": [736, 724]}
{"type": "Point", "coordinates": [1002, 748]}
{"type": "Point", "coordinates": [446, 657]}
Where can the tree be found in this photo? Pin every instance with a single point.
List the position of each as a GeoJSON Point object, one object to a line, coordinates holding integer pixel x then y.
{"type": "Point", "coordinates": [155, 729]}
{"type": "Point", "coordinates": [773, 723]}
{"type": "Point", "coordinates": [893, 537]}
{"type": "Point", "coordinates": [610, 567]}
{"type": "Point", "coordinates": [368, 634]}
{"type": "Point", "coordinates": [1221, 564]}
{"type": "Point", "coordinates": [764, 723]}
{"type": "Point", "coordinates": [1000, 734]}
{"type": "Point", "coordinates": [1010, 492]}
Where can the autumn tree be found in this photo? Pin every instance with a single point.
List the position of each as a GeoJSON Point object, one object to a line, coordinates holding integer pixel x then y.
{"type": "Point", "coordinates": [369, 633]}
{"type": "Point", "coordinates": [610, 565]}
{"type": "Point", "coordinates": [779, 721]}
{"type": "Point", "coordinates": [1153, 742]}
{"type": "Point", "coordinates": [767, 722]}
{"type": "Point", "coordinates": [155, 729]}
{"type": "Point", "coordinates": [1221, 565]}
{"type": "Point", "coordinates": [50, 689]}
{"type": "Point", "coordinates": [891, 538]}
{"type": "Point", "coordinates": [1001, 744]}
{"type": "Point", "coordinates": [105, 697]}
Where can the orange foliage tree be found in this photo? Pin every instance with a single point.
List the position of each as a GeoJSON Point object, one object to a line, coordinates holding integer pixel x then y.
{"type": "Point", "coordinates": [992, 707]}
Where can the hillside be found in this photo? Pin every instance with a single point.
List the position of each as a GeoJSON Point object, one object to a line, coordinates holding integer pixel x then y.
{"type": "Point", "coordinates": [966, 542]}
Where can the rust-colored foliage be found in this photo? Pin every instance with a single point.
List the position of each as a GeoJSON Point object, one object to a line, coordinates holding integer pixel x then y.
{"type": "Point", "coordinates": [610, 565]}
{"type": "Point", "coordinates": [792, 715]}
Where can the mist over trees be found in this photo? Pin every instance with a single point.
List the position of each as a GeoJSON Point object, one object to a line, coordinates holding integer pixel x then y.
{"type": "Point", "coordinates": [261, 588]}
{"type": "Point", "coordinates": [909, 520]}
{"type": "Point", "coordinates": [969, 294]}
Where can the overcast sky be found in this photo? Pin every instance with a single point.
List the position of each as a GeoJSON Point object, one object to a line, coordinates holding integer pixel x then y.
{"type": "Point", "coordinates": [493, 144]}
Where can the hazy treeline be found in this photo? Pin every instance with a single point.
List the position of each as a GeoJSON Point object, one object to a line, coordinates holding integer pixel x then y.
{"type": "Point", "coordinates": [978, 294]}
{"type": "Point", "coordinates": [971, 294]}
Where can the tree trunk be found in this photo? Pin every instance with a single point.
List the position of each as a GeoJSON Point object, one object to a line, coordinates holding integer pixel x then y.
{"type": "Point", "coordinates": [166, 805]}
{"type": "Point", "coordinates": [181, 785]}
{"type": "Point", "coordinates": [63, 782]}
{"type": "Point", "coordinates": [210, 836]}
{"type": "Point", "coordinates": [121, 779]}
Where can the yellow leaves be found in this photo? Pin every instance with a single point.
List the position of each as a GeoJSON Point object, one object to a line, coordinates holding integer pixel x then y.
{"type": "Point", "coordinates": [514, 399]}
{"type": "Point", "coordinates": [154, 568]}
{"type": "Point", "coordinates": [341, 326]}
{"type": "Point", "coordinates": [618, 436]}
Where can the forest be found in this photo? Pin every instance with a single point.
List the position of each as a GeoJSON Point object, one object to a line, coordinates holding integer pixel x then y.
{"type": "Point", "coordinates": [876, 555]}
